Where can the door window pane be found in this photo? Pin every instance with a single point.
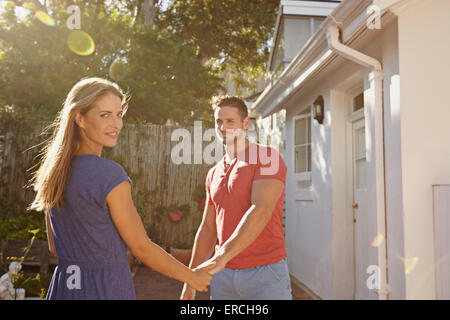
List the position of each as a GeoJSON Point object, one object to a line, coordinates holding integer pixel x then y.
{"type": "Point", "coordinates": [302, 144]}
{"type": "Point", "coordinates": [360, 158]}
{"type": "Point", "coordinates": [302, 156]}
{"type": "Point", "coordinates": [361, 174]}
{"type": "Point", "coordinates": [358, 102]}
{"type": "Point", "coordinates": [360, 143]}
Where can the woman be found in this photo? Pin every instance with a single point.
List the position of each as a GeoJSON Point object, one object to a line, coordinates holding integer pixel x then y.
{"type": "Point", "coordinates": [90, 215]}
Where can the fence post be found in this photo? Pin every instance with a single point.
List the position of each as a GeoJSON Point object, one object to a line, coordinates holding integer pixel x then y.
{"type": "Point", "coordinates": [4, 248]}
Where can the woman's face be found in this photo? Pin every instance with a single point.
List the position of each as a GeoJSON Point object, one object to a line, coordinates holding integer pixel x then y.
{"type": "Point", "coordinates": [101, 125]}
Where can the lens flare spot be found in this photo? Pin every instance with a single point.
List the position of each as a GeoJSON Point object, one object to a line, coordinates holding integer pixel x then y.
{"type": "Point", "coordinates": [81, 43]}
{"type": "Point", "coordinates": [117, 69]}
{"type": "Point", "coordinates": [409, 264]}
{"type": "Point", "coordinates": [377, 240]}
{"type": "Point", "coordinates": [45, 18]}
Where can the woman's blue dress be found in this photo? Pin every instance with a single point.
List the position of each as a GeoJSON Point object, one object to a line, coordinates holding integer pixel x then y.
{"type": "Point", "coordinates": [92, 257]}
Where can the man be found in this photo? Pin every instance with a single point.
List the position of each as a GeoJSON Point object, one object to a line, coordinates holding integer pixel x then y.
{"type": "Point", "coordinates": [243, 213]}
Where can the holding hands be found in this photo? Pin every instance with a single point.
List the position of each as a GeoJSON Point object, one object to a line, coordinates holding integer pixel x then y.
{"type": "Point", "coordinates": [201, 277]}
{"type": "Point", "coordinates": [210, 267]}
{"type": "Point", "coordinates": [214, 265]}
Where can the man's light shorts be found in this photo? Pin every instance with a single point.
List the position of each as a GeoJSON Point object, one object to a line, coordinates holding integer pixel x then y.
{"type": "Point", "coordinates": [267, 282]}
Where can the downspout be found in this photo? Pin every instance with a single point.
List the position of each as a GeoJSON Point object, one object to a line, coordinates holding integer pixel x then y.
{"type": "Point", "coordinates": [376, 81]}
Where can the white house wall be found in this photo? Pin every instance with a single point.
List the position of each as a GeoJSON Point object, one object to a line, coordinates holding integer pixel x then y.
{"type": "Point", "coordinates": [319, 232]}
{"type": "Point", "coordinates": [414, 51]}
{"type": "Point", "coordinates": [309, 223]}
{"type": "Point", "coordinates": [385, 49]}
{"type": "Point", "coordinates": [319, 237]}
{"type": "Point", "coordinates": [393, 158]}
{"type": "Point", "coordinates": [424, 51]}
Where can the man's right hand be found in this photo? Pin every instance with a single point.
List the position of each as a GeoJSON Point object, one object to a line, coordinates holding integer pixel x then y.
{"type": "Point", "coordinates": [188, 293]}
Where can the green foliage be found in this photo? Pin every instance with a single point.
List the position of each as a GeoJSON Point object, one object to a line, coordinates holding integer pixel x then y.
{"type": "Point", "coordinates": [18, 227]}
{"type": "Point", "coordinates": [34, 286]}
{"type": "Point", "coordinates": [10, 208]}
{"type": "Point", "coordinates": [171, 69]}
{"type": "Point", "coordinates": [37, 68]}
{"type": "Point", "coordinates": [166, 81]}
{"type": "Point", "coordinates": [233, 34]}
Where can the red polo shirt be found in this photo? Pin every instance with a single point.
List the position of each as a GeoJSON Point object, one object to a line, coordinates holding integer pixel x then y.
{"type": "Point", "coordinates": [230, 194]}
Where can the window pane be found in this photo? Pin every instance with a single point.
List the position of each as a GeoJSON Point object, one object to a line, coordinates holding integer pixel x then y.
{"type": "Point", "coordinates": [358, 102]}
{"type": "Point", "coordinates": [317, 23]}
{"type": "Point", "coordinates": [297, 33]}
{"type": "Point", "coordinates": [278, 56]}
{"type": "Point", "coordinates": [301, 159]}
{"type": "Point", "coordinates": [360, 157]}
{"type": "Point", "coordinates": [302, 131]}
{"type": "Point", "coordinates": [360, 145]}
{"type": "Point", "coordinates": [308, 128]}
{"type": "Point", "coordinates": [308, 158]}
{"type": "Point", "coordinates": [361, 175]}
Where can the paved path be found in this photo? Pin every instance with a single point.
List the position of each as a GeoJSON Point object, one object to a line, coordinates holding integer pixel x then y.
{"type": "Point", "coordinates": [151, 285]}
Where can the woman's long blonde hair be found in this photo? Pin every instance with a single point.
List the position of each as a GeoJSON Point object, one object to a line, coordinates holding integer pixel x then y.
{"type": "Point", "coordinates": [50, 179]}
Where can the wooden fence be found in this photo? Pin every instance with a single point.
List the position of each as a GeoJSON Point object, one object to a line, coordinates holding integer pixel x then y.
{"type": "Point", "coordinates": [159, 185]}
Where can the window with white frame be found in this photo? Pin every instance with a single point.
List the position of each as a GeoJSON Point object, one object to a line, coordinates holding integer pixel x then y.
{"type": "Point", "coordinates": [292, 34]}
{"type": "Point", "coordinates": [358, 102]}
{"type": "Point", "coordinates": [302, 148]}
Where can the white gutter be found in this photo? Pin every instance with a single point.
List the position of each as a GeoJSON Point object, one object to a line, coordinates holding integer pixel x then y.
{"type": "Point", "coordinates": [376, 82]}
{"type": "Point", "coordinates": [312, 58]}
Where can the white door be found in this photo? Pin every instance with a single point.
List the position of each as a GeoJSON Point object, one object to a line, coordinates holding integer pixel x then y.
{"type": "Point", "coordinates": [360, 218]}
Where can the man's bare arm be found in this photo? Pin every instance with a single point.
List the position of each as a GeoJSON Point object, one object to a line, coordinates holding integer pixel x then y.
{"type": "Point", "coordinates": [206, 238]}
{"type": "Point", "coordinates": [265, 195]}
{"type": "Point", "coordinates": [205, 241]}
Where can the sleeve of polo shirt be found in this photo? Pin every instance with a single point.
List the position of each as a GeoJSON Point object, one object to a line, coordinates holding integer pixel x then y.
{"type": "Point", "coordinates": [270, 165]}
{"type": "Point", "coordinates": [208, 185]}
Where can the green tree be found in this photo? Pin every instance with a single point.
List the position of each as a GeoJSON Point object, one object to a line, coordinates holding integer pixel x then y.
{"type": "Point", "coordinates": [231, 35]}
{"type": "Point", "coordinates": [176, 85]}
{"type": "Point", "coordinates": [36, 64]}
{"type": "Point", "coordinates": [37, 68]}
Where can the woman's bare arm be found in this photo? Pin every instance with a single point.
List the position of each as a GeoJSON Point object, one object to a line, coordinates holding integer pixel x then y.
{"type": "Point", "coordinates": [131, 229]}
{"type": "Point", "coordinates": [48, 227]}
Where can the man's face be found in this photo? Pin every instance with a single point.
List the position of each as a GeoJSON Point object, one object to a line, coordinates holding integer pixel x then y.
{"type": "Point", "coordinates": [230, 127]}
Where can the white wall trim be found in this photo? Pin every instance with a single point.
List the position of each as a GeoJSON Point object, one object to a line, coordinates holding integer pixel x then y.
{"type": "Point", "coordinates": [304, 194]}
{"type": "Point", "coordinates": [308, 8]}
{"type": "Point", "coordinates": [356, 115]}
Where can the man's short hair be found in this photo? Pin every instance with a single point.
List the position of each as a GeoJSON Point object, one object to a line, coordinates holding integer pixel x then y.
{"type": "Point", "coordinates": [231, 101]}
